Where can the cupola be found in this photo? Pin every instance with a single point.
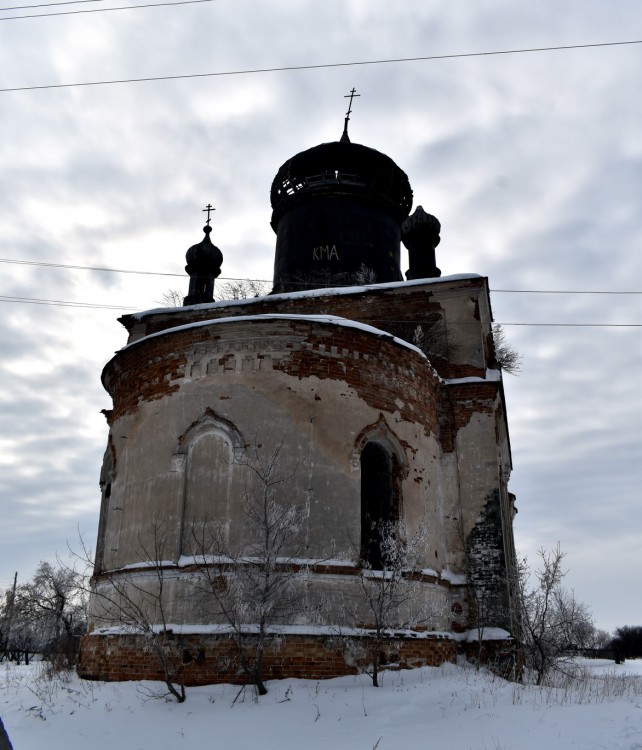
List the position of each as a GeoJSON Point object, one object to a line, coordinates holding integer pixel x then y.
{"type": "Point", "coordinates": [337, 210]}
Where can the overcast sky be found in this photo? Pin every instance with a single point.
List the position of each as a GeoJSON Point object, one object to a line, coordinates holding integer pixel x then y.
{"type": "Point", "coordinates": [532, 162]}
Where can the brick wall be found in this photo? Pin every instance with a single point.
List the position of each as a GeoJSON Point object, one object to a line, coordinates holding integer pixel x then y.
{"type": "Point", "coordinates": [487, 568]}
{"type": "Point", "coordinates": [397, 310]}
{"type": "Point", "coordinates": [377, 368]}
{"type": "Point", "coordinates": [209, 659]}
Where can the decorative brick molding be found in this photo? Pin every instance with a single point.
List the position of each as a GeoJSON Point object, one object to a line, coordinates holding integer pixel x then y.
{"type": "Point", "coordinates": [396, 308]}
{"type": "Point", "coordinates": [209, 659]}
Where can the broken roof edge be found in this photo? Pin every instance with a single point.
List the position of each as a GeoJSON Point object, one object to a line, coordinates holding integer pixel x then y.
{"type": "Point", "coordinates": [323, 292]}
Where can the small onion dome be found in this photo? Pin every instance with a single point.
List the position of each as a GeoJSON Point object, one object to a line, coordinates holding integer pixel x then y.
{"type": "Point", "coordinates": [204, 255]}
{"type": "Point", "coordinates": [341, 168]}
{"type": "Point", "coordinates": [420, 234]}
{"type": "Point", "coordinates": [204, 262]}
{"type": "Point", "coordinates": [419, 223]}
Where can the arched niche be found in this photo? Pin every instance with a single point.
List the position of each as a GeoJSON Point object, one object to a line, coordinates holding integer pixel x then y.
{"type": "Point", "coordinates": [211, 454]}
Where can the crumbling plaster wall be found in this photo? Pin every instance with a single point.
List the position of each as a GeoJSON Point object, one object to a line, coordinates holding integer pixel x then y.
{"type": "Point", "coordinates": [461, 303]}
{"type": "Point", "coordinates": [318, 388]}
{"type": "Point", "coordinates": [283, 402]}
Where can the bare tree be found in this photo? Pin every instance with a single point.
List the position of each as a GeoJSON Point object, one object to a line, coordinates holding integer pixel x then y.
{"type": "Point", "coordinates": [479, 614]}
{"type": "Point", "coordinates": [49, 613]}
{"type": "Point", "coordinates": [601, 639]}
{"type": "Point", "coordinates": [258, 583]}
{"type": "Point", "coordinates": [506, 356]}
{"type": "Point", "coordinates": [389, 597]}
{"type": "Point", "coordinates": [226, 290]}
{"type": "Point", "coordinates": [20, 636]}
{"type": "Point", "coordinates": [553, 622]}
{"type": "Point", "coordinates": [576, 627]}
{"type": "Point", "coordinates": [628, 641]}
{"type": "Point", "coordinates": [432, 337]}
{"type": "Point", "coordinates": [136, 602]}
{"type": "Point", "coordinates": [241, 289]}
{"type": "Point", "coordinates": [171, 298]}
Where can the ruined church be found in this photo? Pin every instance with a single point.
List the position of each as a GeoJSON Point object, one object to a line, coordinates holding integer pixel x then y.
{"type": "Point", "coordinates": [385, 400]}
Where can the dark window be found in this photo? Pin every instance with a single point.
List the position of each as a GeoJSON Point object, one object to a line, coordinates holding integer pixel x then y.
{"type": "Point", "coordinates": [377, 506]}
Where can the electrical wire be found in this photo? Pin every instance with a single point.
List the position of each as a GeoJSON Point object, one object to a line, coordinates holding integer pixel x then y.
{"type": "Point", "coordinates": [578, 325]}
{"type": "Point", "coordinates": [89, 268]}
{"type": "Point", "coordinates": [102, 10]}
{"type": "Point", "coordinates": [98, 10]}
{"type": "Point", "coordinates": [48, 5]}
{"type": "Point", "coordinates": [269, 281]}
{"type": "Point", "coordinates": [557, 291]}
{"type": "Point", "coordinates": [250, 71]}
{"type": "Point", "coordinates": [64, 303]}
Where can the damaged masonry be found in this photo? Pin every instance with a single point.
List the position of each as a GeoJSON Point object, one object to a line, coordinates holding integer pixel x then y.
{"type": "Point", "coordinates": [366, 410]}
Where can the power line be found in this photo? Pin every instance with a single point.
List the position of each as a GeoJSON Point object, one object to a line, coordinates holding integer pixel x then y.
{"type": "Point", "coordinates": [579, 325]}
{"type": "Point", "coordinates": [48, 5]}
{"type": "Point", "coordinates": [98, 10]}
{"type": "Point", "coordinates": [269, 281]}
{"type": "Point", "coordinates": [61, 303]}
{"type": "Point", "coordinates": [64, 303]}
{"type": "Point", "coordinates": [89, 268]}
{"type": "Point", "coordinates": [319, 66]}
{"type": "Point", "coordinates": [557, 291]}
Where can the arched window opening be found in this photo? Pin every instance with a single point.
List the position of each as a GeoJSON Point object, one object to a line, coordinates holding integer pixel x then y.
{"type": "Point", "coordinates": [377, 502]}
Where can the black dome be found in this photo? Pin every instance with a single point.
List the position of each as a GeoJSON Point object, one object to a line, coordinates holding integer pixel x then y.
{"type": "Point", "coordinates": [203, 265]}
{"type": "Point", "coordinates": [341, 168]}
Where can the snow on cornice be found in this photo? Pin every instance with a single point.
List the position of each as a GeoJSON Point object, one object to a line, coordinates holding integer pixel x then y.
{"type": "Point", "coordinates": [329, 292]}
{"type": "Point", "coordinates": [250, 628]}
{"type": "Point", "coordinates": [323, 319]}
{"type": "Point", "coordinates": [491, 375]}
{"type": "Point", "coordinates": [337, 320]}
{"type": "Point", "coordinates": [468, 636]}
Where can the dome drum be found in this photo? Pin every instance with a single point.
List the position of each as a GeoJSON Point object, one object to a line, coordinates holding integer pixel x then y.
{"type": "Point", "coordinates": [337, 213]}
{"type": "Point", "coordinates": [336, 241]}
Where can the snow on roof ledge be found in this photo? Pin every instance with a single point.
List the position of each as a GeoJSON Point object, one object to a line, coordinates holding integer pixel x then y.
{"type": "Point", "coordinates": [329, 292]}
{"type": "Point", "coordinates": [469, 636]}
{"type": "Point", "coordinates": [491, 375]}
{"type": "Point", "coordinates": [323, 319]}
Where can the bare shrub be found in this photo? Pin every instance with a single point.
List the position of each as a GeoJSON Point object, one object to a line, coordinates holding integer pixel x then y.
{"type": "Point", "coordinates": [506, 356]}
{"type": "Point", "coordinates": [259, 583]}
{"type": "Point", "coordinates": [389, 597]}
{"type": "Point", "coordinates": [552, 621]}
{"type": "Point", "coordinates": [135, 602]}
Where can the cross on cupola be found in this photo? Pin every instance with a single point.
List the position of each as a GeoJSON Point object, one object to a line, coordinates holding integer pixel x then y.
{"type": "Point", "coordinates": [203, 265]}
{"type": "Point", "coordinates": [345, 138]}
{"type": "Point", "coordinates": [208, 208]}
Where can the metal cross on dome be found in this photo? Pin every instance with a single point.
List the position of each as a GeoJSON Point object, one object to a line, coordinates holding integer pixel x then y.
{"type": "Point", "coordinates": [350, 96]}
{"type": "Point", "coordinates": [208, 208]}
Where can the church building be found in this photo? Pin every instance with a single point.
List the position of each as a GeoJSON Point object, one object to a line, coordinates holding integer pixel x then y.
{"type": "Point", "coordinates": [379, 402]}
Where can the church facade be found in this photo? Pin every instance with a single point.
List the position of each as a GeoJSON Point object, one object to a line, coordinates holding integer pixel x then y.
{"type": "Point", "coordinates": [381, 398]}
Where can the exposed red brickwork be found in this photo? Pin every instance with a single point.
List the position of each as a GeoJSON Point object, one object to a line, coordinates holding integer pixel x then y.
{"type": "Point", "coordinates": [381, 371]}
{"type": "Point", "coordinates": [397, 310]}
{"type": "Point", "coordinates": [211, 659]}
{"type": "Point", "coordinates": [472, 398]}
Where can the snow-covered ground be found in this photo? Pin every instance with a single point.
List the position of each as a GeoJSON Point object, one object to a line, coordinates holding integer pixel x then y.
{"type": "Point", "coordinates": [450, 707]}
